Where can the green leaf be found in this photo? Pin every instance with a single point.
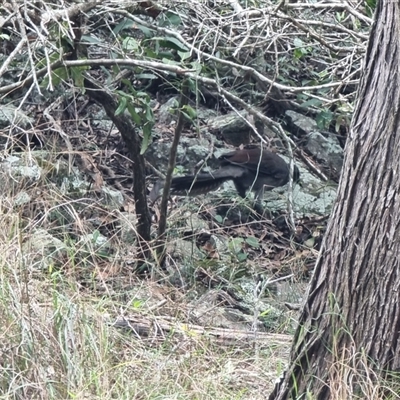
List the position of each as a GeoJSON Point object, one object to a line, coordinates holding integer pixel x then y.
{"type": "Point", "coordinates": [219, 218]}
{"type": "Point", "coordinates": [124, 24]}
{"type": "Point", "coordinates": [265, 313]}
{"type": "Point", "coordinates": [146, 31]}
{"type": "Point", "coordinates": [312, 102]}
{"type": "Point", "coordinates": [90, 39]}
{"type": "Point", "coordinates": [235, 245]}
{"type": "Point", "coordinates": [189, 111]}
{"type": "Point", "coordinates": [149, 115]}
{"type": "Point", "coordinates": [57, 76]}
{"type": "Point", "coordinates": [95, 236]}
{"type": "Point", "coordinates": [169, 19]}
{"type": "Point", "coordinates": [309, 242]}
{"type": "Point", "coordinates": [149, 52]}
{"type": "Point", "coordinates": [142, 94]}
{"type": "Point", "coordinates": [130, 44]}
{"type": "Point", "coordinates": [121, 106]}
{"type": "Point", "coordinates": [146, 137]}
{"type": "Point", "coordinates": [135, 116]}
{"type": "Point", "coordinates": [174, 19]}
{"type": "Point", "coordinates": [179, 170]}
{"type": "Point", "coordinates": [167, 54]}
{"type": "Point", "coordinates": [298, 42]}
{"type": "Point", "coordinates": [323, 119]}
{"type": "Point", "coordinates": [128, 83]}
{"type": "Point", "coordinates": [43, 62]}
{"type": "Point", "coordinates": [170, 62]}
{"type": "Point", "coordinates": [340, 16]}
{"type": "Point", "coordinates": [184, 55]}
{"type": "Point", "coordinates": [196, 66]}
{"type": "Point", "coordinates": [298, 53]}
{"type": "Point", "coordinates": [338, 125]}
{"type": "Point", "coordinates": [253, 242]}
{"type": "Point", "coordinates": [171, 43]}
{"type": "Point", "coordinates": [77, 75]}
{"type": "Point", "coordinates": [241, 257]}
{"type": "Point", "coordinates": [137, 303]}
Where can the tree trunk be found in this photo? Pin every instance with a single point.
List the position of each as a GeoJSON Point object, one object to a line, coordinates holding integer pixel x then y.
{"type": "Point", "coordinates": [133, 143]}
{"type": "Point", "coordinates": [348, 336]}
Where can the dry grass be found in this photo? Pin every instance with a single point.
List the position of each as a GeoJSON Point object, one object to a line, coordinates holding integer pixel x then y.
{"type": "Point", "coordinates": [58, 338]}
{"type": "Point", "coordinates": [58, 341]}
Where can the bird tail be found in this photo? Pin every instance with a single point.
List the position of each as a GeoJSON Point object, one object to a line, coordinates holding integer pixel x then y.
{"type": "Point", "coordinates": [194, 185]}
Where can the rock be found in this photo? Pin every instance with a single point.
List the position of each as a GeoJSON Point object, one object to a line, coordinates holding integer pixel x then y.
{"type": "Point", "coordinates": [128, 222]}
{"type": "Point", "coordinates": [299, 124]}
{"type": "Point", "coordinates": [44, 250]}
{"type": "Point", "coordinates": [326, 150]}
{"type": "Point", "coordinates": [234, 129]}
{"type": "Point", "coordinates": [22, 168]}
{"type": "Point", "coordinates": [113, 198]}
{"type": "Point", "coordinates": [10, 115]}
{"type": "Point", "coordinates": [191, 151]}
{"type": "Point", "coordinates": [167, 111]}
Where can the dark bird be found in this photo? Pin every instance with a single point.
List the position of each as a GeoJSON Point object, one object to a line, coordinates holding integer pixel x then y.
{"type": "Point", "coordinates": [249, 169]}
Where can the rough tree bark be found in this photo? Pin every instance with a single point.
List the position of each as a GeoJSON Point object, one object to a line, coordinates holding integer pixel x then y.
{"type": "Point", "coordinates": [349, 329]}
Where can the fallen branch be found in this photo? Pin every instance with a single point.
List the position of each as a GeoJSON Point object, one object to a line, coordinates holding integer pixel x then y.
{"type": "Point", "coordinates": [161, 327]}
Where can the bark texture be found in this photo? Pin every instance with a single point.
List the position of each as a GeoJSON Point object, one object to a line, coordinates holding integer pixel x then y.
{"type": "Point", "coordinates": [352, 312]}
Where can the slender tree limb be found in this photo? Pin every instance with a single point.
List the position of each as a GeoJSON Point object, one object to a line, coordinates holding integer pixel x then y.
{"type": "Point", "coordinates": [171, 165]}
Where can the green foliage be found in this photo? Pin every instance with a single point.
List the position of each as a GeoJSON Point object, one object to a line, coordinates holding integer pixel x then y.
{"type": "Point", "coordinates": [238, 246]}
{"type": "Point", "coordinates": [311, 103]}
{"type": "Point", "coordinates": [150, 45]}
{"type": "Point", "coordinates": [253, 242]}
{"type": "Point", "coordinates": [169, 19]}
{"type": "Point", "coordinates": [77, 75]}
{"type": "Point", "coordinates": [168, 43]}
{"type": "Point", "coordinates": [179, 170]}
{"type": "Point", "coordinates": [189, 112]}
{"type": "Point", "coordinates": [4, 36]}
{"type": "Point", "coordinates": [370, 6]}
{"type": "Point", "coordinates": [235, 246]}
{"type": "Point", "coordinates": [219, 218]}
{"type": "Point", "coordinates": [138, 105]}
{"type": "Point", "coordinates": [324, 119]}
{"type": "Point", "coordinates": [341, 16]}
{"type": "Point", "coordinates": [147, 44]}
{"type": "Point", "coordinates": [301, 49]}
{"type": "Point", "coordinates": [62, 45]}
{"type": "Point", "coordinates": [131, 45]}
